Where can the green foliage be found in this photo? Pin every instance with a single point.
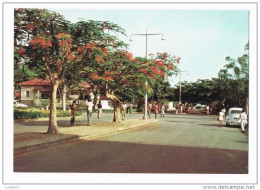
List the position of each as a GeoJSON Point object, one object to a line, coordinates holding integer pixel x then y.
{"type": "Point", "coordinates": [229, 89]}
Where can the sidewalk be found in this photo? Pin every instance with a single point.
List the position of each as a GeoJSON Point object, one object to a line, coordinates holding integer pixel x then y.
{"type": "Point", "coordinates": [31, 135]}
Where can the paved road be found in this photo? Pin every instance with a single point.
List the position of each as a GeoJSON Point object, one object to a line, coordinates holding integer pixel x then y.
{"type": "Point", "coordinates": [176, 144]}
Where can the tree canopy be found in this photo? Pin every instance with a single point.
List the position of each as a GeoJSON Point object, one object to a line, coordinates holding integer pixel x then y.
{"type": "Point", "coordinates": [48, 45]}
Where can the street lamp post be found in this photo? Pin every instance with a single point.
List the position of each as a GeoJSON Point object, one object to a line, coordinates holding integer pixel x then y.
{"type": "Point", "coordinates": [146, 37]}
{"type": "Point", "coordinates": [180, 87]}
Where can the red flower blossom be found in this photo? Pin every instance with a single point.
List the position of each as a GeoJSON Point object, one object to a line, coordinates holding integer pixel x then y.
{"type": "Point", "coordinates": [49, 43]}
{"type": "Point", "coordinates": [39, 42]}
{"type": "Point", "coordinates": [29, 26]}
{"type": "Point", "coordinates": [79, 50]}
{"type": "Point", "coordinates": [143, 71]}
{"type": "Point", "coordinates": [109, 78]}
{"type": "Point", "coordinates": [94, 77]}
{"type": "Point", "coordinates": [108, 73]}
{"type": "Point", "coordinates": [98, 59]}
{"type": "Point", "coordinates": [90, 46]}
{"type": "Point", "coordinates": [71, 57]}
{"type": "Point", "coordinates": [105, 51]}
{"type": "Point", "coordinates": [20, 51]}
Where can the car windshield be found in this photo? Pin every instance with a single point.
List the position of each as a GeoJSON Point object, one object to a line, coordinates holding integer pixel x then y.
{"type": "Point", "coordinates": [236, 111]}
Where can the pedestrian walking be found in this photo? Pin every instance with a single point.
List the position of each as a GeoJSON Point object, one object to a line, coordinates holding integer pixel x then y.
{"type": "Point", "coordinates": [155, 110]}
{"type": "Point", "coordinates": [176, 109]}
{"type": "Point", "coordinates": [99, 106]}
{"type": "Point", "coordinates": [73, 108]}
{"type": "Point", "coordinates": [181, 108]}
{"type": "Point", "coordinates": [127, 108]}
{"type": "Point", "coordinates": [162, 111]}
{"type": "Point", "coordinates": [149, 107]}
{"type": "Point", "coordinates": [89, 111]}
{"type": "Point", "coordinates": [124, 107]}
{"type": "Point", "coordinates": [224, 111]}
{"type": "Point", "coordinates": [207, 108]}
{"type": "Point", "coordinates": [243, 117]}
{"type": "Point", "coordinates": [221, 116]}
{"type": "Point", "coordinates": [130, 108]}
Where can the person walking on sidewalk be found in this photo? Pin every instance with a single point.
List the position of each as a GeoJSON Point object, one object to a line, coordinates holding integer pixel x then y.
{"type": "Point", "coordinates": [149, 107]}
{"type": "Point", "coordinates": [73, 108]}
{"type": "Point", "coordinates": [99, 106]}
{"type": "Point", "coordinates": [162, 110]}
{"type": "Point", "coordinates": [124, 107]}
{"type": "Point", "coordinates": [221, 116]}
{"type": "Point", "coordinates": [89, 111]}
{"type": "Point", "coordinates": [243, 117]}
{"type": "Point", "coordinates": [130, 108]}
{"type": "Point", "coordinates": [155, 110]}
{"type": "Point", "coordinates": [207, 109]}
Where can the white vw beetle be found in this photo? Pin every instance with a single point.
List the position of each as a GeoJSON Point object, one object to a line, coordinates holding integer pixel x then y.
{"type": "Point", "coordinates": [233, 116]}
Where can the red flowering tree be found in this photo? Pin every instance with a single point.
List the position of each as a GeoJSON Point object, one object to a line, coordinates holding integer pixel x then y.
{"type": "Point", "coordinates": [46, 49]}
{"type": "Point", "coordinates": [50, 46]}
{"type": "Point", "coordinates": [117, 72]}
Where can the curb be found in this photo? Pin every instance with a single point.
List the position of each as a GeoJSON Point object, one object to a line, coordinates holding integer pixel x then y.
{"type": "Point", "coordinates": [118, 131]}
{"type": "Point", "coordinates": [42, 145]}
{"type": "Point", "coordinates": [29, 148]}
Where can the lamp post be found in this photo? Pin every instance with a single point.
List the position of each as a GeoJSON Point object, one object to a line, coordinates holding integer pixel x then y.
{"type": "Point", "coordinates": [146, 37]}
{"type": "Point", "coordinates": [180, 86]}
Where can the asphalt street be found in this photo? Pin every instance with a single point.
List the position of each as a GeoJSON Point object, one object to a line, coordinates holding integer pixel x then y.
{"type": "Point", "coordinates": [175, 144]}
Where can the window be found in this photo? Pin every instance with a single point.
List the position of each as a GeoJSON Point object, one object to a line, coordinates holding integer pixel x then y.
{"type": "Point", "coordinates": [27, 94]}
{"type": "Point", "coordinates": [45, 95]}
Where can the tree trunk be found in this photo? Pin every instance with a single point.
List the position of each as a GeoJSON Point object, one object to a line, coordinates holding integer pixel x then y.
{"type": "Point", "coordinates": [116, 105]}
{"type": "Point", "coordinates": [53, 127]}
{"type": "Point", "coordinates": [117, 110]}
{"type": "Point", "coordinates": [64, 91]}
{"type": "Point", "coordinates": [247, 105]}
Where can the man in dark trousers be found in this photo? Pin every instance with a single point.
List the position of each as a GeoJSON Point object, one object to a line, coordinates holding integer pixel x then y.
{"type": "Point", "coordinates": [73, 108]}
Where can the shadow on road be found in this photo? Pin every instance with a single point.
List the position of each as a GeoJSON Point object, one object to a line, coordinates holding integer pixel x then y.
{"type": "Point", "coordinates": [118, 157]}
{"type": "Point", "coordinates": [210, 125]}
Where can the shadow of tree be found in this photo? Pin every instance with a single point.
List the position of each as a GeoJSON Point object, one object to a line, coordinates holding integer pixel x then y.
{"type": "Point", "coordinates": [118, 157]}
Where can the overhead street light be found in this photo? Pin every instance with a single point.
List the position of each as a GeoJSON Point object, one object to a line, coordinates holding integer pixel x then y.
{"type": "Point", "coordinates": [146, 37]}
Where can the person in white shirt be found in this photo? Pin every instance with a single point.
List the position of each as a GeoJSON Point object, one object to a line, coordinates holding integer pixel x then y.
{"type": "Point", "coordinates": [162, 111]}
{"type": "Point", "coordinates": [207, 108]}
{"type": "Point", "coordinates": [243, 117]}
{"type": "Point", "coordinates": [89, 111]}
{"type": "Point", "coordinates": [221, 116]}
{"type": "Point", "coordinates": [124, 107]}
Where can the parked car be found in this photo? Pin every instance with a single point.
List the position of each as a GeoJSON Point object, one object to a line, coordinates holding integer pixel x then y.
{"type": "Point", "coordinates": [19, 105]}
{"type": "Point", "coordinates": [233, 117]}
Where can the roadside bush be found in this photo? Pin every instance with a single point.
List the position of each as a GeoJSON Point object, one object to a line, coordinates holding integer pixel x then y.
{"type": "Point", "coordinates": [35, 113]}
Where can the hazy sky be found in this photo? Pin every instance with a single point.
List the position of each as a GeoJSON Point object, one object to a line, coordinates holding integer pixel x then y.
{"type": "Point", "coordinates": [202, 38]}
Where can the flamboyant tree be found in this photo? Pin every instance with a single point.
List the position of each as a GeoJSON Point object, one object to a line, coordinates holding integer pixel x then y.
{"type": "Point", "coordinates": [52, 47]}
{"type": "Point", "coordinates": [45, 47]}
{"type": "Point", "coordinates": [117, 72]}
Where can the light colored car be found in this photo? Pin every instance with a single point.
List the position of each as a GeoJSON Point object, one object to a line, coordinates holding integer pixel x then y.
{"type": "Point", "coordinates": [233, 117]}
{"type": "Point", "coordinates": [19, 105]}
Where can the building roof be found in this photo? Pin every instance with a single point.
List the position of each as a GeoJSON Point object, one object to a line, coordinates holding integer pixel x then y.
{"type": "Point", "coordinates": [36, 82]}
{"type": "Point", "coordinates": [46, 82]}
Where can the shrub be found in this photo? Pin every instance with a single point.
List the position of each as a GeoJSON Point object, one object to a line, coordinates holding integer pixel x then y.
{"type": "Point", "coordinates": [35, 113]}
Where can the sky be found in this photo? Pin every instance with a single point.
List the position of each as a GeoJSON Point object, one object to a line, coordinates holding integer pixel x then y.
{"type": "Point", "coordinates": [202, 38]}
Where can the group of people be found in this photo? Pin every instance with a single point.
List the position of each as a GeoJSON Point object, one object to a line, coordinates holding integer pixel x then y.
{"type": "Point", "coordinates": [243, 117]}
{"type": "Point", "coordinates": [89, 104]}
{"type": "Point", "coordinates": [126, 108]}
{"type": "Point", "coordinates": [156, 110]}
